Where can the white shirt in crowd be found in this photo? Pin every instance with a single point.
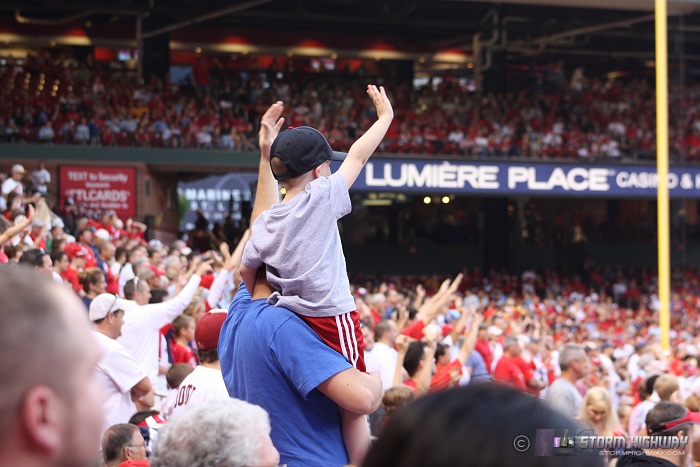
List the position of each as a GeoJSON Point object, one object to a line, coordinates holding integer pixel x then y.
{"type": "Point", "coordinates": [382, 359]}
{"type": "Point", "coordinates": [202, 385]}
{"type": "Point", "coordinates": [141, 330]}
{"type": "Point", "coordinates": [117, 372]}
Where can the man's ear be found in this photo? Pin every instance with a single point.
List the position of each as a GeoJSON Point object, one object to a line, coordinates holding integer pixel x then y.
{"type": "Point", "coordinates": [40, 415]}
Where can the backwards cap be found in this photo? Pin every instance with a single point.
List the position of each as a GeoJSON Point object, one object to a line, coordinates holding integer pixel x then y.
{"type": "Point", "coordinates": [302, 149]}
{"type": "Point", "coordinates": [206, 334]}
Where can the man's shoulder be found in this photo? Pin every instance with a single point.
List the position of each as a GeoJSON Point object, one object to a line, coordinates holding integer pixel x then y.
{"type": "Point", "coordinates": [246, 311]}
{"type": "Point", "coordinates": [560, 387]}
{"type": "Point", "coordinates": [107, 345]}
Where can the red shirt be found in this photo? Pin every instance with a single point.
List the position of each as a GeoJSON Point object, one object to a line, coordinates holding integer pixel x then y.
{"type": "Point", "coordinates": [71, 275]}
{"type": "Point", "coordinates": [183, 354]}
{"type": "Point", "coordinates": [528, 372]}
{"type": "Point", "coordinates": [482, 346]}
{"type": "Point", "coordinates": [509, 372]}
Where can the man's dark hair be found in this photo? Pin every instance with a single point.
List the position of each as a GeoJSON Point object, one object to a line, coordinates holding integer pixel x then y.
{"type": "Point", "coordinates": [57, 256]}
{"type": "Point", "coordinates": [414, 354]}
{"type": "Point", "coordinates": [115, 439]}
{"type": "Point", "coordinates": [649, 384]}
{"type": "Point", "coordinates": [208, 356]}
{"type": "Point", "coordinates": [664, 412]}
{"type": "Point", "coordinates": [81, 232]}
{"type": "Point", "coordinates": [412, 312]}
{"type": "Point", "coordinates": [130, 253]}
{"type": "Point", "coordinates": [33, 257]}
{"type": "Point", "coordinates": [119, 252]}
{"type": "Point", "coordinates": [440, 350]}
{"type": "Point", "coordinates": [158, 295]}
{"type": "Point", "coordinates": [474, 425]}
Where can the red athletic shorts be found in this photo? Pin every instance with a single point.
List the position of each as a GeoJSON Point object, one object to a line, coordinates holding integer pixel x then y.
{"type": "Point", "coordinates": [343, 334]}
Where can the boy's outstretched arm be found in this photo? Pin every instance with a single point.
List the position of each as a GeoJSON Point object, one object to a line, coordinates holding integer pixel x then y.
{"type": "Point", "coordinates": [363, 148]}
{"type": "Point", "coordinates": [266, 193]}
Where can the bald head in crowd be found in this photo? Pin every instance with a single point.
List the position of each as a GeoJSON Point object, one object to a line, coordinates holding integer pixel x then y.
{"type": "Point", "coordinates": [48, 413]}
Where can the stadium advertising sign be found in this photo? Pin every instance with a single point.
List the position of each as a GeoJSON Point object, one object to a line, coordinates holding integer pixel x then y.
{"type": "Point", "coordinates": [215, 196]}
{"type": "Point", "coordinates": [100, 188]}
{"type": "Point", "coordinates": [523, 178]}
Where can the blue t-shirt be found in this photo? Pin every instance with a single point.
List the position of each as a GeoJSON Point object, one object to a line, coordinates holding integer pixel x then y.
{"type": "Point", "coordinates": [271, 358]}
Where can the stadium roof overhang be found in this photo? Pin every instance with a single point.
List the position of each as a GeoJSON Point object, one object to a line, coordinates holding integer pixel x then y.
{"type": "Point", "coordinates": [392, 29]}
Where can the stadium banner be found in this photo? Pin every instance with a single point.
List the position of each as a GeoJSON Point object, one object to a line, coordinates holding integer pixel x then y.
{"type": "Point", "coordinates": [518, 178]}
{"type": "Point", "coordinates": [216, 197]}
{"type": "Point", "coordinates": [99, 188]}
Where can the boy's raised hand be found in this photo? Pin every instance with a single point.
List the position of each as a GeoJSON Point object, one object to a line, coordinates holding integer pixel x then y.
{"type": "Point", "coordinates": [380, 101]}
{"type": "Point", "coordinates": [270, 125]}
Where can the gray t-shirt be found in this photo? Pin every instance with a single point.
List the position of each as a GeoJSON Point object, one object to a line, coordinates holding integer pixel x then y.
{"type": "Point", "coordinates": [300, 244]}
{"type": "Point", "coordinates": [564, 397]}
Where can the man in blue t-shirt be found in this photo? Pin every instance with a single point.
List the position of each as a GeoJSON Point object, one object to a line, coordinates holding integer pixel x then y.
{"type": "Point", "coordinates": [271, 358]}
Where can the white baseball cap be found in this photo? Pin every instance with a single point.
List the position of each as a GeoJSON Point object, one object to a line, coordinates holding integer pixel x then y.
{"type": "Point", "coordinates": [104, 304]}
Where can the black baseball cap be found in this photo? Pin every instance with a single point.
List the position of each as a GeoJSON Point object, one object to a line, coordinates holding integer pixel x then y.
{"type": "Point", "coordinates": [302, 149]}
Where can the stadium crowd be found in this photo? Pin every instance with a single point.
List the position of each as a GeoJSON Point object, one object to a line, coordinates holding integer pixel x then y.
{"type": "Point", "coordinates": [536, 351]}
{"type": "Point", "coordinates": [588, 346]}
{"type": "Point", "coordinates": [61, 101]}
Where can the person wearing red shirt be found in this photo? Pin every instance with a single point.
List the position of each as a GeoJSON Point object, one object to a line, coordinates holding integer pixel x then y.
{"type": "Point", "coordinates": [184, 326]}
{"type": "Point", "coordinates": [76, 255]}
{"type": "Point", "coordinates": [508, 371]}
{"type": "Point", "coordinates": [482, 346]}
{"type": "Point", "coordinates": [85, 240]}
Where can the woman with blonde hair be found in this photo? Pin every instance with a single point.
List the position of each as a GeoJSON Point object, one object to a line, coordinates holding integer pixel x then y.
{"type": "Point", "coordinates": [597, 413]}
{"type": "Point", "coordinates": [195, 309]}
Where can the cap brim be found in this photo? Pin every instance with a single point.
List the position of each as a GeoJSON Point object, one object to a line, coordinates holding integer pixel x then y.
{"type": "Point", "coordinates": [689, 417]}
{"type": "Point", "coordinates": [338, 156]}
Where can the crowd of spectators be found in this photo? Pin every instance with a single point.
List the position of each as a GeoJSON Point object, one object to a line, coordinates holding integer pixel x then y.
{"type": "Point", "coordinates": [61, 101]}
{"type": "Point", "coordinates": [521, 330]}
{"type": "Point", "coordinates": [574, 347]}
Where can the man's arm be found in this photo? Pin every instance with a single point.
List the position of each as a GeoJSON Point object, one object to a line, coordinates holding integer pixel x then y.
{"type": "Point", "coordinates": [430, 307]}
{"type": "Point", "coordinates": [171, 309]}
{"type": "Point", "coordinates": [19, 227]}
{"type": "Point", "coordinates": [141, 388]}
{"type": "Point", "coordinates": [470, 341]}
{"type": "Point", "coordinates": [231, 264]}
{"type": "Point", "coordinates": [356, 392]}
{"type": "Point", "coordinates": [363, 148]}
{"type": "Point", "coordinates": [402, 343]}
{"type": "Point", "coordinates": [266, 193]}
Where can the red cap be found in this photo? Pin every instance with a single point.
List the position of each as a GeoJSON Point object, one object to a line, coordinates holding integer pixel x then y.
{"type": "Point", "coordinates": [689, 417]}
{"type": "Point", "coordinates": [206, 334]}
{"type": "Point", "coordinates": [76, 250]}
